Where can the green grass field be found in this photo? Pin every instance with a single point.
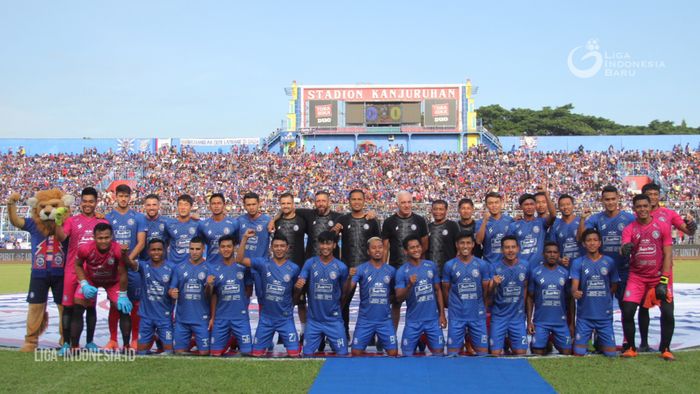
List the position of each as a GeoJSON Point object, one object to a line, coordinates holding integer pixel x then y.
{"type": "Point", "coordinates": [14, 277]}
{"type": "Point", "coordinates": [598, 374]}
{"type": "Point", "coordinates": [21, 373]}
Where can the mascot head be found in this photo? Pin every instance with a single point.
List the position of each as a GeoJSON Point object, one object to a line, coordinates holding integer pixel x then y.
{"type": "Point", "coordinates": [44, 205]}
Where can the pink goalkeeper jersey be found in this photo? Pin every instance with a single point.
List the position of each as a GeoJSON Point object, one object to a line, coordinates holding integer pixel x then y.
{"type": "Point", "coordinates": [101, 269]}
{"type": "Point", "coordinates": [668, 216]}
{"type": "Point", "coordinates": [647, 257]}
{"type": "Point", "coordinates": [79, 230]}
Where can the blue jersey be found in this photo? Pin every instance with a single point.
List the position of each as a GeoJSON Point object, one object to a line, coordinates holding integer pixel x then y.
{"type": "Point", "coordinates": [509, 299]}
{"type": "Point", "coordinates": [466, 298]}
{"type": "Point", "coordinates": [596, 278]}
{"type": "Point", "coordinates": [531, 235]}
{"type": "Point", "coordinates": [325, 286]}
{"type": "Point", "coordinates": [48, 255]}
{"type": "Point", "coordinates": [564, 234]}
{"type": "Point", "coordinates": [229, 286]}
{"type": "Point", "coordinates": [421, 304]}
{"type": "Point", "coordinates": [155, 228]}
{"type": "Point", "coordinates": [278, 284]}
{"type": "Point", "coordinates": [495, 231]}
{"type": "Point", "coordinates": [127, 226]}
{"type": "Point", "coordinates": [155, 302]}
{"type": "Point", "coordinates": [376, 287]}
{"type": "Point", "coordinates": [610, 229]}
{"type": "Point", "coordinates": [211, 231]}
{"type": "Point", "coordinates": [180, 234]}
{"type": "Point", "coordinates": [192, 303]}
{"type": "Point", "coordinates": [549, 288]}
{"type": "Point", "coordinates": [258, 245]}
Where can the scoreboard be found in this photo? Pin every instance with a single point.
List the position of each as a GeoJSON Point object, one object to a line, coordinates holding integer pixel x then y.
{"type": "Point", "coordinates": [429, 106]}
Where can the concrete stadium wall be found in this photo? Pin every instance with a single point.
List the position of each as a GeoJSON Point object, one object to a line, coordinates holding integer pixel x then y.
{"type": "Point", "coordinates": [40, 146]}
{"type": "Point", "coordinates": [327, 143]}
{"type": "Point", "coordinates": [435, 143]}
{"type": "Point", "coordinates": [603, 142]}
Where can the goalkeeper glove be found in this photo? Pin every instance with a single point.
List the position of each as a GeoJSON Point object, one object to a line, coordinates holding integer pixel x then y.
{"type": "Point", "coordinates": [89, 291]}
{"type": "Point", "coordinates": [626, 249]}
{"type": "Point", "coordinates": [60, 215]}
{"type": "Point", "coordinates": [662, 288]}
{"type": "Point", "coordinates": [123, 303]}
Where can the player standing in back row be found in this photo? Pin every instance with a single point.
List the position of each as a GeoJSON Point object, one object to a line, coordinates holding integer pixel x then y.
{"type": "Point", "coordinates": [395, 230]}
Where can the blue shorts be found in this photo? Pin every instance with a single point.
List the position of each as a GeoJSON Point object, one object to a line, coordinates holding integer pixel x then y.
{"type": "Point", "coordinates": [364, 331]}
{"type": "Point", "coordinates": [562, 335]}
{"type": "Point", "coordinates": [266, 330]}
{"type": "Point", "coordinates": [39, 289]}
{"type": "Point", "coordinates": [515, 329]}
{"type": "Point", "coordinates": [477, 335]}
{"type": "Point", "coordinates": [223, 329]}
{"type": "Point", "coordinates": [334, 332]}
{"type": "Point", "coordinates": [412, 332]}
{"type": "Point", "coordinates": [148, 328]}
{"type": "Point", "coordinates": [584, 330]}
{"type": "Point", "coordinates": [183, 334]}
{"type": "Point", "coordinates": [133, 290]}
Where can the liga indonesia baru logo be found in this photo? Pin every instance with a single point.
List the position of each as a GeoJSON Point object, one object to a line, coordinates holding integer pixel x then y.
{"type": "Point", "coordinates": [613, 64]}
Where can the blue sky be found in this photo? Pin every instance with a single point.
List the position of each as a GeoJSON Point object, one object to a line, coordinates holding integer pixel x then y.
{"type": "Point", "coordinates": [215, 69]}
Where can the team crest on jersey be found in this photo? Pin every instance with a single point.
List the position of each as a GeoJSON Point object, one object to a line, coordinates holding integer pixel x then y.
{"type": "Point", "coordinates": [110, 261]}
{"type": "Point", "coordinates": [475, 273]}
{"type": "Point", "coordinates": [521, 277]}
{"type": "Point", "coordinates": [333, 275]}
{"type": "Point", "coordinates": [330, 223]}
{"type": "Point", "coordinates": [192, 230]}
{"type": "Point", "coordinates": [656, 234]}
{"type": "Point", "coordinates": [536, 229]}
{"type": "Point", "coordinates": [662, 219]}
{"type": "Point", "coordinates": [387, 279]}
{"type": "Point", "coordinates": [444, 232]}
{"type": "Point", "coordinates": [561, 281]}
{"type": "Point", "coordinates": [239, 275]}
{"type": "Point", "coordinates": [603, 270]}
{"type": "Point", "coordinates": [413, 227]}
{"type": "Point", "coordinates": [227, 230]}
{"type": "Point", "coordinates": [166, 278]}
{"type": "Point", "coordinates": [364, 226]}
{"type": "Point", "coordinates": [201, 276]}
{"type": "Point", "coordinates": [296, 227]}
{"type": "Point", "coordinates": [620, 226]}
{"type": "Point", "coordinates": [130, 222]}
{"type": "Point", "coordinates": [40, 261]}
{"type": "Point", "coordinates": [430, 274]}
{"type": "Point", "coordinates": [258, 228]}
{"type": "Point", "coordinates": [286, 278]}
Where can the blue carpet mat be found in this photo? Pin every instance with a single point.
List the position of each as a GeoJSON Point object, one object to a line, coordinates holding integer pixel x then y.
{"type": "Point", "coordinates": [426, 374]}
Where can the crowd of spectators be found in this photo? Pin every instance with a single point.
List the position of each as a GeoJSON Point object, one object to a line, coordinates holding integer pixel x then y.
{"type": "Point", "coordinates": [429, 176]}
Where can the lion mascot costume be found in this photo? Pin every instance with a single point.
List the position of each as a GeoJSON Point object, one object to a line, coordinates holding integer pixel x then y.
{"type": "Point", "coordinates": [48, 257]}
